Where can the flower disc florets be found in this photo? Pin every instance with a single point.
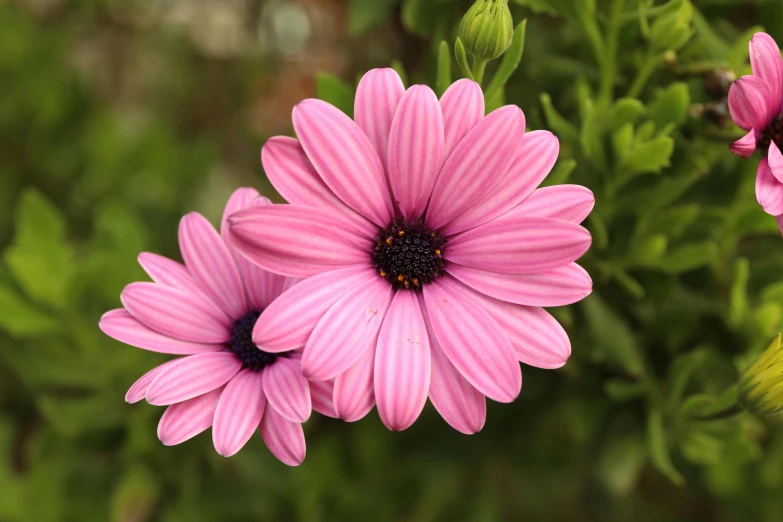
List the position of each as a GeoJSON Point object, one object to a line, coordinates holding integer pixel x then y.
{"type": "Point", "coordinates": [242, 345]}
{"type": "Point", "coordinates": [409, 254]}
{"type": "Point", "coordinates": [772, 133]}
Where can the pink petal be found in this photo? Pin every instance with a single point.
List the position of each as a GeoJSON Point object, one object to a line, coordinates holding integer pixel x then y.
{"type": "Point", "coordinates": [176, 313]}
{"type": "Point", "coordinates": [377, 96]}
{"type": "Point", "coordinates": [415, 149]}
{"type": "Point", "coordinates": [297, 241]}
{"type": "Point", "coordinates": [765, 61]}
{"type": "Point", "coordinates": [534, 159]}
{"type": "Point", "coordinates": [288, 321]}
{"type": "Point", "coordinates": [166, 272]}
{"type": "Point", "coordinates": [238, 412]}
{"type": "Point", "coordinates": [463, 107]}
{"type": "Point", "coordinates": [566, 202]}
{"type": "Point", "coordinates": [354, 396]}
{"type": "Point", "coordinates": [519, 245]}
{"type": "Point", "coordinates": [185, 420]}
{"type": "Point", "coordinates": [559, 287]}
{"type": "Point", "coordinates": [285, 439]}
{"type": "Point", "coordinates": [769, 191]}
{"type": "Point", "coordinates": [209, 261]}
{"type": "Point", "coordinates": [138, 389]}
{"type": "Point", "coordinates": [345, 158]}
{"type": "Point", "coordinates": [240, 199]}
{"type": "Point", "coordinates": [402, 363]}
{"type": "Point", "coordinates": [287, 390]}
{"type": "Point", "coordinates": [120, 325]}
{"type": "Point", "coordinates": [348, 329]}
{"type": "Point", "coordinates": [473, 341]}
{"type": "Point", "coordinates": [322, 393]}
{"type": "Point", "coordinates": [477, 164]}
{"type": "Point", "coordinates": [461, 405]}
{"type": "Point", "coordinates": [745, 146]}
{"type": "Point", "coordinates": [751, 104]}
{"type": "Point", "coordinates": [192, 376]}
{"type": "Point", "coordinates": [775, 159]}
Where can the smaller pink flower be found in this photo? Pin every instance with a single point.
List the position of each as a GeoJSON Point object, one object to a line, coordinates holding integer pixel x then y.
{"type": "Point", "coordinates": [756, 105]}
{"type": "Point", "coordinates": [205, 310]}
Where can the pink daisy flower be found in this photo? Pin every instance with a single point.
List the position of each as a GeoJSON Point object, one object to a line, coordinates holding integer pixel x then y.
{"type": "Point", "coordinates": [756, 105]}
{"type": "Point", "coordinates": [428, 249]}
{"type": "Point", "coordinates": [205, 310]}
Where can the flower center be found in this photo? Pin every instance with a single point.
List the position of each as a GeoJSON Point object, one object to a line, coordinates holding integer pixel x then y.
{"type": "Point", "coordinates": [772, 133]}
{"type": "Point", "coordinates": [409, 254]}
{"type": "Point", "coordinates": [241, 344]}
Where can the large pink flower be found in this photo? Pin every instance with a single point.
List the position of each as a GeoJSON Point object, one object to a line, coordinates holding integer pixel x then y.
{"type": "Point", "coordinates": [756, 105]}
{"type": "Point", "coordinates": [428, 249]}
{"type": "Point", "coordinates": [206, 310]}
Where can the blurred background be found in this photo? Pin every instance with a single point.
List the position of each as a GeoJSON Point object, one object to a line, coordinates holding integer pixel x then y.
{"type": "Point", "coordinates": [119, 116]}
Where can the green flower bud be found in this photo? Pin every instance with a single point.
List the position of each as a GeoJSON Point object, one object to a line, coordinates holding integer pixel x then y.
{"type": "Point", "coordinates": [761, 386]}
{"type": "Point", "coordinates": [487, 29]}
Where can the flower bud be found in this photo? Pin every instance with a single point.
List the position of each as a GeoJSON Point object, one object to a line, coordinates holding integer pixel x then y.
{"type": "Point", "coordinates": [761, 386]}
{"type": "Point", "coordinates": [487, 29]}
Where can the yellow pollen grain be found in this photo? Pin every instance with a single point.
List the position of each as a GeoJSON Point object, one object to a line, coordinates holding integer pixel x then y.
{"type": "Point", "coordinates": [416, 282]}
{"type": "Point", "coordinates": [388, 241]}
{"type": "Point", "coordinates": [383, 274]}
{"type": "Point", "coordinates": [400, 277]}
{"type": "Point", "coordinates": [437, 252]}
{"type": "Point", "coordinates": [401, 233]}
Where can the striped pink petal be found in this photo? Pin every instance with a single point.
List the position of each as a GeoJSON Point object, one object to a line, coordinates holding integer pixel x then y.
{"type": "Point", "coordinates": [463, 107]}
{"type": "Point", "coordinates": [241, 198]}
{"type": "Point", "coordinates": [566, 202]}
{"type": "Point", "coordinates": [185, 420]}
{"type": "Point", "coordinates": [285, 439]}
{"type": "Point", "coordinates": [415, 150]}
{"type": "Point", "coordinates": [209, 261]}
{"type": "Point", "coordinates": [167, 272]}
{"type": "Point", "coordinates": [348, 329]}
{"type": "Point", "coordinates": [120, 325]}
{"type": "Point", "coordinates": [176, 313]}
{"type": "Point", "coordinates": [751, 104]}
{"type": "Point", "coordinates": [192, 376]}
{"type": "Point", "coordinates": [354, 396]}
{"type": "Point", "coordinates": [765, 61]}
{"type": "Point", "coordinates": [473, 341]}
{"type": "Point", "coordinates": [769, 191]}
{"type": "Point", "coordinates": [745, 146]}
{"type": "Point", "coordinates": [297, 241]}
{"type": "Point", "coordinates": [377, 96]}
{"type": "Point", "coordinates": [287, 390]}
{"type": "Point", "coordinates": [559, 287]}
{"type": "Point", "coordinates": [345, 158]}
{"type": "Point", "coordinates": [322, 395]}
{"type": "Point", "coordinates": [775, 159]}
{"type": "Point", "coordinates": [519, 245]}
{"type": "Point", "coordinates": [138, 389]}
{"type": "Point", "coordinates": [477, 164]}
{"type": "Point", "coordinates": [402, 363]}
{"type": "Point", "coordinates": [534, 159]}
{"type": "Point", "coordinates": [238, 412]}
{"type": "Point", "coordinates": [289, 320]}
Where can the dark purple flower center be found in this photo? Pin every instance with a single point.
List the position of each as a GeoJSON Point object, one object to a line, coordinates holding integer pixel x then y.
{"type": "Point", "coordinates": [241, 344]}
{"type": "Point", "coordinates": [408, 254]}
{"type": "Point", "coordinates": [772, 132]}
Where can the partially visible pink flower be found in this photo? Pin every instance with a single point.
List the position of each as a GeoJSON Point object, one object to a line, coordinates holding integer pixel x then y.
{"type": "Point", "coordinates": [428, 249]}
{"type": "Point", "coordinates": [756, 105]}
{"type": "Point", "coordinates": [205, 310]}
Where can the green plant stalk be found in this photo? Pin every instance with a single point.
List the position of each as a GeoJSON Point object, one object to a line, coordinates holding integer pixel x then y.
{"type": "Point", "coordinates": [479, 65]}
{"type": "Point", "coordinates": [609, 62]}
{"type": "Point", "coordinates": [650, 64]}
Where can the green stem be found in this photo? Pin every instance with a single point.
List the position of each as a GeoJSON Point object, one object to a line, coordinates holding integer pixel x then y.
{"type": "Point", "coordinates": [731, 411]}
{"type": "Point", "coordinates": [643, 76]}
{"type": "Point", "coordinates": [609, 63]}
{"type": "Point", "coordinates": [479, 64]}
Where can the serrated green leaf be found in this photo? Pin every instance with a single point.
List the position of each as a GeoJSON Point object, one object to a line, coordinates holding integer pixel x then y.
{"type": "Point", "coordinates": [670, 106]}
{"type": "Point", "coordinates": [625, 111]}
{"type": "Point", "coordinates": [648, 157]}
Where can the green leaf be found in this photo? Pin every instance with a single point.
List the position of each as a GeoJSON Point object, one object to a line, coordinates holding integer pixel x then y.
{"type": "Point", "coordinates": [738, 299]}
{"type": "Point", "coordinates": [563, 128]}
{"type": "Point", "coordinates": [658, 447]}
{"type": "Point", "coordinates": [648, 157]}
{"type": "Point", "coordinates": [509, 63]}
{"type": "Point", "coordinates": [620, 390]}
{"type": "Point", "coordinates": [672, 31]}
{"type": "Point", "coordinates": [611, 338]}
{"type": "Point", "coordinates": [400, 70]}
{"type": "Point", "coordinates": [21, 319]}
{"type": "Point", "coordinates": [331, 89]}
{"type": "Point", "coordinates": [670, 106]}
{"type": "Point", "coordinates": [135, 496]}
{"type": "Point", "coordinates": [592, 135]}
{"type": "Point", "coordinates": [462, 59]}
{"type": "Point", "coordinates": [561, 172]}
{"type": "Point", "coordinates": [539, 6]}
{"type": "Point", "coordinates": [673, 221]}
{"type": "Point", "coordinates": [689, 257]}
{"type": "Point", "coordinates": [362, 15]}
{"type": "Point", "coordinates": [626, 110]}
{"type": "Point", "coordinates": [444, 68]}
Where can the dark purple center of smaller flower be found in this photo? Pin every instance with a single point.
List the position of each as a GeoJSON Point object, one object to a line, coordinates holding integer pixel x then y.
{"type": "Point", "coordinates": [241, 344]}
{"type": "Point", "coordinates": [773, 132]}
{"type": "Point", "coordinates": [409, 254]}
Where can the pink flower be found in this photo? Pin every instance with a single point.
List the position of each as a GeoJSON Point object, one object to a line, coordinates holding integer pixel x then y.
{"type": "Point", "coordinates": [205, 310]}
{"type": "Point", "coordinates": [756, 105]}
{"type": "Point", "coordinates": [428, 249]}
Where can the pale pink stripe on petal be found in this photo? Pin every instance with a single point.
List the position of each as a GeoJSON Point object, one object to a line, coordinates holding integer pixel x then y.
{"type": "Point", "coordinates": [415, 150]}
{"type": "Point", "coordinates": [377, 96]}
{"type": "Point", "coordinates": [238, 412]}
{"type": "Point", "coordinates": [138, 389]}
{"type": "Point", "coordinates": [745, 146]}
{"type": "Point", "coordinates": [322, 395]}
{"type": "Point", "coordinates": [240, 199]}
{"type": "Point", "coordinates": [298, 241]}
{"type": "Point", "coordinates": [566, 202]}
{"type": "Point", "coordinates": [769, 191]}
{"type": "Point", "coordinates": [185, 420]}
{"type": "Point", "coordinates": [121, 325]}
{"type": "Point", "coordinates": [402, 363]}
{"type": "Point", "coordinates": [192, 376]}
{"type": "Point", "coordinates": [473, 341]}
{"type": "Point", "coordinates": [289, 320]}
{"type": "Point", "coordinates": [751, 104]}
{"type": "Point", "coordinates": [354, 396]}
{"type": "Point", "coordinates": [167, 272]}
{"type": "Point", "coordinates": [559, 287]}
{"type": "Point", "coordinates": [345, 159]}
{"type": "Point", "coordinates": [519, 245]}
{"type": "Point", "coordinates": [348, 329]}
{"type": "Point", "coordinates": [477, 164]}
{"type": "Point", "coordinates": [287, 390]}
{"type": "Point", "coordinates": [176, 313]}
{"type": "Point", "coordinates": [766, 62]}
{"type": "Point", "coordinates": [463, 107]}
{"type": "Point", "coordinates": [775, 159]}
{"type": "Point", "coordinates": [285, 439]}
{"type": "Point", "coordinates": [534, 159]}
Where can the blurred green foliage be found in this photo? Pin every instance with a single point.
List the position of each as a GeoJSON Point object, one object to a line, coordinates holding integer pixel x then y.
{"type": "Point", "coordinates": [113, 123]}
